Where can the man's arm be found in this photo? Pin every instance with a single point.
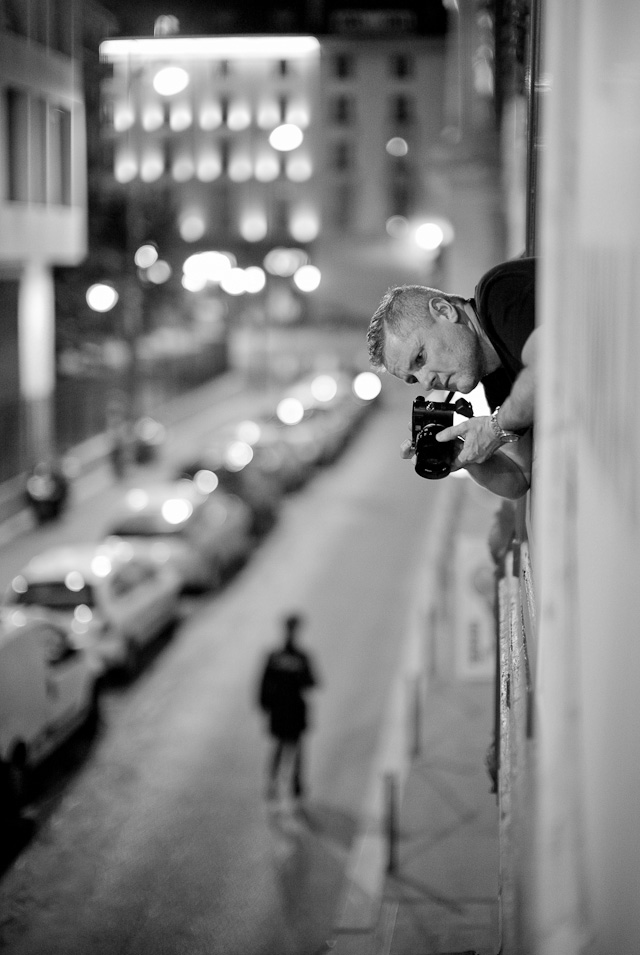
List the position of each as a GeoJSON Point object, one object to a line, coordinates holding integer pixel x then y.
{"type": "Point", "coordinates": [516, 413]}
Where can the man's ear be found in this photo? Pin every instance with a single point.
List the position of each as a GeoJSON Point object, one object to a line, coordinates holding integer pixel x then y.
{"type": "Point", "coordinates": [440, 307]}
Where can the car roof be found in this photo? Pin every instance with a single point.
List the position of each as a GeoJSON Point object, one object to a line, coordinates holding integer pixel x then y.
{"type": "Point", "coordinates": [142, 509]}
{"type": "Point", "coordinates": [56, 562]}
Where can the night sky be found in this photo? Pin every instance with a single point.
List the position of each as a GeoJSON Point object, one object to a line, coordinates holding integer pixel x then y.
{"type": "Point", "coordinates": [137, 17]}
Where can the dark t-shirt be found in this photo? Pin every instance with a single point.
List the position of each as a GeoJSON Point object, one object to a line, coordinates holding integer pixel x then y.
{"type": "Point", "coordinates": [505, 305]}
{"type": "Point", "coordinates": [286, 676]}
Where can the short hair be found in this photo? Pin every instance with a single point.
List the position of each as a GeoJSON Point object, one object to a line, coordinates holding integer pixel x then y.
{"type": "Point", "coordinates": [401, 309]}
{"type": "Point", "coordinates": [292, 622]}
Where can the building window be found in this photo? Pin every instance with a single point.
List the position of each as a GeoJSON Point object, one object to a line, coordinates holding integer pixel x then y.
{"type": "Point", "coordinates": [342, 156]}
{"type": "Point", "coordinates": [401, 197]}
{"type": "Point", "coordinates": [17, 106]}
{"type": "Point", "coordinates": [342, 110]}
{"type": "Point", "coordinates": [16, 17]}
{"type": "Point", "coordinates": [401, 109]}
{"type": "Point", "coordinates": [343, 209]}
{"type": "Point", "coordinates": [344, 66]}
{"type": "Point", "coordinates": [59, 156]}
{"type": "Point", "coordinates": [401, 66]}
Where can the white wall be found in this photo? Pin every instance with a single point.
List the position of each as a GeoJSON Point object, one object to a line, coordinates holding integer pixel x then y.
{"type": "Point", "coordinates": [587, 526]}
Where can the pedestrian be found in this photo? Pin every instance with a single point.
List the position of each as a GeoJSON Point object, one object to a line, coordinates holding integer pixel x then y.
{"type": "Point", "coordinates": [287, 675]}
{"type": "Point", "coordinates": [450, 343]}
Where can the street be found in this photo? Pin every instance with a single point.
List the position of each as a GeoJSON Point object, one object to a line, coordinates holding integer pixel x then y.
{"type": "Point", "coordinates": [159, 839]}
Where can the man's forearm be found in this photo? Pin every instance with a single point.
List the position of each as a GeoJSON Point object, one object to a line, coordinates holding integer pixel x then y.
{"type": "Point", "coordinates": [516, 412]}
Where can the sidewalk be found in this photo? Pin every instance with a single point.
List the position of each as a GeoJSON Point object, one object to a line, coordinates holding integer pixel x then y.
{"type": "Point", "coordinates": [442, 893]}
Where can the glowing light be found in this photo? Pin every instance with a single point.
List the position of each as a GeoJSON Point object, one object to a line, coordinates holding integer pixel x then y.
{"type": "Point", "coordinates": [192, 227]}
{"type": "Point", "coordinates": [74, 581]}
{"type": "Point", "coordinates": [183, 168]}
{"type": "Point", "coordinates": [297, 114]}
{"type": "Point", "coordinates": [304, 226]}
{"type": "Point", "coordinates": [233, 282]}
{"type": "Point", "coordinates": [126, 167]}
{"type": "Point", "coordinates": [284, 262]}
{"type": "Point", "coordinates": [268, 114]}
{"type": "Point", "coordinates": [397, 146]}
{"type": "Point", "coordinates": [307, 278]}
{"type": "Point", "coordinates": [267, 168]}
{"type": "Point", "coordinates": [19, 584]}
{"type": "Point", "coordinates": [208, 167]}
{"type": "Point", "coordinates": [238, 455]}
{"type": "Point", "coordinates": [177, 510]}
{"type": "Point", "coordinates": [366, 386]}
{"type": "Point", "coordinates": [224, 47]}
{"type": "Point", "coordinates": [397, 226]}
{"type": "Point", "coordinates": [194, 283]}
{"type": "Point", "coordinates": [123, 116]}
{"type": "Point", "coordinates": [82, 615]}
{"type": "Point", "coordinates": [324, 388]}
{"type": "Point", "coordinates": [253, 226]}
{"type": "Point", "coordinates": [207, 267]}
{"type": "Point", "coordinates": [249, 431]}
{"type": "Point", "coordinates": [152, 117]}
{"type": "Point", "coordinates": [152, 166]}
{"type": "Point", "coordinates": [101, 297]}
{"type": "Point", "coordinates": [101, 565]}
{"type": "Point", "coordinates": [290, 411]}
{"type": "Point", "coordinates": [181, 117]}
{"type": "Point", "coordinates": [210, 116]}
{"type": "Point", "coordinates": [286, 137]}
{"type": "Point", "coordinates": [238, 116]}
{"type": "Point", "coordinates": [299, 169]}
{"type": "Point", "coordinates": [240, 168]}
{"type": "Point", "coordinates": [429, 236]}
{"type": "Point", "coordinates": [254, 279]}
{"type": "Point", "coordinates": [159, 272]}
{"type": "Point", "coordinates": [206, 481]}
{"type": "Point", "coordinates": [170, 80]}
{"type": "Point", "coordinates": [145, 256]}
{"type": "Point", "coordinates": [137, 499]}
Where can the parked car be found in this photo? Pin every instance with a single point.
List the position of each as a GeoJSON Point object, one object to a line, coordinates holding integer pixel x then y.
{"type": "Point", "coordinates": [115, 599]}
{"type": "Point", "coordinates": [201, 537]}
{"type": "Point", "coordinates": [230, 464]}
{"type": "Point", "coordinates": [49, 688]}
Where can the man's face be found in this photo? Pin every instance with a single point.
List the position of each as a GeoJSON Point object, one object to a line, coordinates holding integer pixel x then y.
{"type": "Point", "coordinates": [442, 354]}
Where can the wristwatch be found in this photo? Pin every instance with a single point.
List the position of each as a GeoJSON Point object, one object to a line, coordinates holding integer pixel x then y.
{"type": "Point", "coordinates": [507, 437]}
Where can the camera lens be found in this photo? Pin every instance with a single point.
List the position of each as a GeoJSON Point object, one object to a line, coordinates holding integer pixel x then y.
{"type": "Point", "coordinates": [433, 458]}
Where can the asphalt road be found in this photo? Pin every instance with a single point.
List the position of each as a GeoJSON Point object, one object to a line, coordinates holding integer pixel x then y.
{"type": "Point", "coordinates": [155, 837]}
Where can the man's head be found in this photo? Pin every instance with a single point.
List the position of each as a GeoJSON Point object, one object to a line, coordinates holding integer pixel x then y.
{"type": "Point", "coordinates": [292, 624]}
{"type": "Point", "coordinates": [425, 336]}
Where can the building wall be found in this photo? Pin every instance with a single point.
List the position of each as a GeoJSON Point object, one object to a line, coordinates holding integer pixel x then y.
{"type": "Point", "coordinates": [43, 207]}
{"type": "Point", "coordinates": [587, 506]}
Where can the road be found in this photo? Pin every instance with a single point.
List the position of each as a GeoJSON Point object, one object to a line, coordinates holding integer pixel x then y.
{"type": "Point", "coordinates": [158, 840]}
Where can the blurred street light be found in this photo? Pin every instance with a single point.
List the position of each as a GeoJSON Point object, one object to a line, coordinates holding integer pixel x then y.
{"type": "Point", "coordinates": [101, 297]}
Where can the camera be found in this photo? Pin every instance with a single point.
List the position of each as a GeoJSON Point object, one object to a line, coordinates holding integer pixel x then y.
{"type": "Point", "coordinates": [434, 459]}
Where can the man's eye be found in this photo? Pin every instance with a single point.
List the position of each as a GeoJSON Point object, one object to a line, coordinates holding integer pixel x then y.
{"type": "Point", "coordinates": [419, 359]}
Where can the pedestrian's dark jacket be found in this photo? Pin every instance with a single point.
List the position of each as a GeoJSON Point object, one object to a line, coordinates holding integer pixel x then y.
{"type": "Point", "coordinates": [504, 301]}
{"type": "Point", "coordinates": [287, 674]}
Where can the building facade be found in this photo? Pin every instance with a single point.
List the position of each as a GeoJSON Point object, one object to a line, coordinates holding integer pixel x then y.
{"type": "Point", "coordinates": [344, 196]}
{"type": "Point", "coordinates": [42, 206]}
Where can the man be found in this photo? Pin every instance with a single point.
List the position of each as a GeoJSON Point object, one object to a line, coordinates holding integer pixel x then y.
{"type": "Point", "coordinates": [287, 675]}
{"type": "Point", "coordinates": [446, 342]}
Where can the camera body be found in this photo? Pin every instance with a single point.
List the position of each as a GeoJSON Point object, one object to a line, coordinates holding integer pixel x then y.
{"type": "Point", "coordinates": [434, 459]}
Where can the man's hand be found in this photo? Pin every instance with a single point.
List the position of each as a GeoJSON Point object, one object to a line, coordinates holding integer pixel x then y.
{"type": "Point", "coordinates": [479, 438]}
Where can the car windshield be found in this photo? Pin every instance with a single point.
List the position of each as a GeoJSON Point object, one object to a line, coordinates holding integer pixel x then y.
{"type": "Point", "coordinates": [56, 595]}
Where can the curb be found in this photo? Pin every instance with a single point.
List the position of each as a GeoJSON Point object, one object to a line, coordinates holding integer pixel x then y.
{"type": "Point", "coordinates": [361, 909]}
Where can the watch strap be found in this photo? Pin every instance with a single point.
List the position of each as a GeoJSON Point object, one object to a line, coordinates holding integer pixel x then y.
{"type": "Point", "coordinates": [500, 433]}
